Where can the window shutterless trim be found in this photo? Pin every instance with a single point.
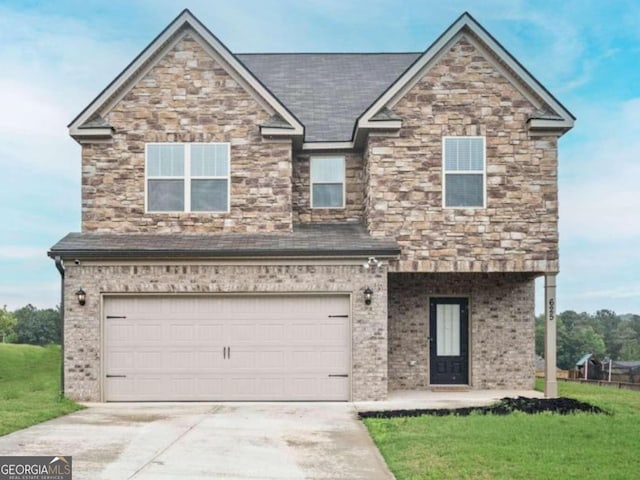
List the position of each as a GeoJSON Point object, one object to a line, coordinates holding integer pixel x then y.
{"type": "Point", "coordinates": [344, 182]}
{"type": "Point", "coordinates": [465, 172]}
{"type": "Point", "coordinates": [186, 178]}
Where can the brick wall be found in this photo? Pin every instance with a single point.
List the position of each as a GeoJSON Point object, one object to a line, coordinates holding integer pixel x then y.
{"type": "Point", "coordinates": [501, 327]}
{"type": "Point", "coordinates": [186, 97]}
{"type": "Point", "coordinates": [354, 192]}
{"type": "Point", "coordinates": [83, 323]}
{"type": "Point", "coordinates": [464, 94]}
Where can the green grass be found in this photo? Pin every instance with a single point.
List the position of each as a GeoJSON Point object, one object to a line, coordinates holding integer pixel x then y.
{"type": "Point", "coordinates": [519, 446]}
{"type": "Point", "coordinates": [29, 386]}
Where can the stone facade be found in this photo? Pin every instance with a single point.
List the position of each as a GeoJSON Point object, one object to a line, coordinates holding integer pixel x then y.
{"type": "Point", "coordinates": [501, 327]}
{"type": "Point", "coordinates": [82, 362]}
{"type": "Point", "coordinates": [394, 186]}
{"type": "Point", "coordinates": [186, 97]}
{"type": "Point", "coordinates": [354, 192]}
{"type": "Point", "coordinates": [464, 94]}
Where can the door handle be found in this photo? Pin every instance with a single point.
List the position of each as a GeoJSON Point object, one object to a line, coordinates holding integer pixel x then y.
{"type": "Point", "coordinates": [224, 352]}
{"type": "Point", "coordinates": [229, 352]}
{"type": "Point", "coordinates": [116, 376]}
{"type": "Point", "coordinates": [341, 375]}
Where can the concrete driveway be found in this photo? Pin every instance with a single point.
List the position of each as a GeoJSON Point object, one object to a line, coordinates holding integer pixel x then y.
{"type": "Point", "coordinates": [198, 441]}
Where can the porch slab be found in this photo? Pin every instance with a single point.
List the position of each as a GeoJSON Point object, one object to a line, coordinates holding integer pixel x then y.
{"type": "Point", "coordinates": [418, 399]}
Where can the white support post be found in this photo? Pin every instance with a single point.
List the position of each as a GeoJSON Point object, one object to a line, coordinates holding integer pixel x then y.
{"type": "Point", "coordinates": [550, 381]}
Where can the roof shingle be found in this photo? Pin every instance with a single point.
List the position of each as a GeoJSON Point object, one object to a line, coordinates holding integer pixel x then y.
{"type": "Point", "coordinates": [328, 239]}
{"type": "Point", "coordinates": [327, 92]}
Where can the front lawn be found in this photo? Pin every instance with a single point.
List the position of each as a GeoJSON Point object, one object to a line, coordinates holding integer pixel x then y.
{"type": "Point", "coordinates": [519, 446]}
{"type": "Point", "coordinates": [29, 386]}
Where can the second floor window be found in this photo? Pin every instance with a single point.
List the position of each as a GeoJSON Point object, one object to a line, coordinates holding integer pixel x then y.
{"type": "Point", "coordinates": [187, 177]}
{"type": "Point", "coordinates": [327, 182]}
{"type": "Point", "coordinates": [464, 172]}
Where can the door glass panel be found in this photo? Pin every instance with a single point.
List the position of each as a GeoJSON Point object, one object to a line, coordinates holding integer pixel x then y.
{"type": "Point", "coordinates": [448, 330]}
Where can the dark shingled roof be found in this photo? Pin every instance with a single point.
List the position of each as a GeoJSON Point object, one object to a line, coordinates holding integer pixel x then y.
{"type": "Point", "coordinates": [327, 92]}
{"type": "Point", "coordinates": [328, 239]}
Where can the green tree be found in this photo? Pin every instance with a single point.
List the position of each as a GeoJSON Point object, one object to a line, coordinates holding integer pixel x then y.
{"type": "Point", "coordinates": [7, 324]}
{"type": "Point", "coordinates": [606, 323]}
{"type": "Point", "coordinates": [37, 327]}
{"type": "Point", "coordinates": [576, 335]}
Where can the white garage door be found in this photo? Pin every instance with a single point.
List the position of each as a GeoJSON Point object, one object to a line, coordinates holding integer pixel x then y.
{"type": "Point", "coordinates": [266, 347]}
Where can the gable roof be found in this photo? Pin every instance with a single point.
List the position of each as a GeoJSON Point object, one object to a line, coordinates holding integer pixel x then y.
{"type": "Point", "coordinates": [330, 100]}
{"type": "Point", "coordinates": [82, 124]}
{"type": "Point", "coordinates": [560, 118]}
{"type": "Point", "coordinates": [327, 91]}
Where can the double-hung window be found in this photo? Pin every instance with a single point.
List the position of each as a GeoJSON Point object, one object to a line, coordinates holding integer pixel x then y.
{"type": "Point", "coordinates": [187, 177]}
{"type": "Point", "coordinates": [464, 172]}
{"type": "Point", "coordinates": [327, 182]}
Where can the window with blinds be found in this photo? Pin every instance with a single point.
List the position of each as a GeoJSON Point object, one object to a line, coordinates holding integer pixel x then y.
{"type": "Point", "coordinates": [464, 172]}
{"type": "Point", "coordinates": [327, 182]}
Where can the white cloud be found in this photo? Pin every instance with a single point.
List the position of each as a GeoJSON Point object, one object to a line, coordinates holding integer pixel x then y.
{"type": "Point", "coordinates": [601, 200]}
{"type": "Point", "coordinates": [40, 295]}
{"type": "Point", "coordinates": [631, 291]}
{"type": "Point", "coordinates": [13, 252]}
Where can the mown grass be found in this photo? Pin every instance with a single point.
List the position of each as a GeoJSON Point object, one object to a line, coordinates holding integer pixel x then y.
{"type": "Point", "coordinates": [519, 446]}
{"type": "Point", "coordinates": [29, 386]}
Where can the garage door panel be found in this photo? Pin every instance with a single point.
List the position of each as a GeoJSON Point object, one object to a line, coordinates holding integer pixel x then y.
{"type": "Point", "coordinates": [210, 332]}
{"type": "Point", "coordinates": [149, 359]}
{"type": "Point", "coordinates": [177, 348]}
{"type": "Point", "coordinates": [120, 332]}
{"type": "Point", "coordinates": [335, 360]}
{"type": "Point", "coordinates": [209, 359]}
{"type": "Point", "coordinates": [241, 331]}
{"type": "Point", "coordinates": [271, 359]}
{"type": "Point", "coordinates": [334, 333]}
{"type": "Point", "coordinates": [210, 387]}
{"type": "Point", "coordinates": [147, 332]}
{"type": "Point", "coordinates": [182, 332]}
{"type": "Point", "coordinates": [181, 360]}
{"type": "Point", "coordinates": [120, 360]}
{"type": "Point", "coordinates": [271, 333]}
{"type": "Point", "coordinates": [304, 333]}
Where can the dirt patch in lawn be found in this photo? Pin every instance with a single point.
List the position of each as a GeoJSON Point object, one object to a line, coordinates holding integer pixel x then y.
{"type": "Point", "coordinates": [562, 406]}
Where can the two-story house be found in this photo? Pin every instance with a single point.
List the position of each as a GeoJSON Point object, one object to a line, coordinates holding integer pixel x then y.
{"type": "Point", "coordinates": [310, 226]}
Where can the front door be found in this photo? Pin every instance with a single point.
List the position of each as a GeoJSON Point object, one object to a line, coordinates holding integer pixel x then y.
{"type": "Point", "coordinates": [449, 341]}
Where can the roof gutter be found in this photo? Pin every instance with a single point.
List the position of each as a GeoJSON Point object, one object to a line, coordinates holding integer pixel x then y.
{"type": "Point", "coordinates": [60, 266]}
{"type": "Point", "coordinates": [228, 254]}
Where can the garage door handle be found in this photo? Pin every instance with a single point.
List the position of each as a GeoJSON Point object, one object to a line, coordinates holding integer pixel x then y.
{"type": "Point", "coordinates": [338, 316]}
{"type": "Point", "coordinates": [116, 376]}
{"type": "Point", "coordinates": [341, 375]}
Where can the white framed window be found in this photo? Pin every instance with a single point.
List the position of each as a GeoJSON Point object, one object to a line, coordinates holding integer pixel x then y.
{"type": "Point", "coordinates": [464, 172]}
{"type": "Point", "coordinates": [187, 177]}
{"type": "Point", "coordinates": [327, 182]}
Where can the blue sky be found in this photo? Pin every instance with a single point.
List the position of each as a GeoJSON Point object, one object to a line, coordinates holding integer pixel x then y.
{"type": "Point", "coordinates": [55, 57]}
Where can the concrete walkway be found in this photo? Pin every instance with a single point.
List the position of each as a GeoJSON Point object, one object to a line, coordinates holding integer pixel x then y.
{"type": "Point", "coordinates": [207, 441]}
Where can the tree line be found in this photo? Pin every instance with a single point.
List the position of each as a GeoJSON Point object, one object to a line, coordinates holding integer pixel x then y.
{"type": "Point", "coordinates": [605, 334]}
{"type": "Point", "coordinates": [30, 325]}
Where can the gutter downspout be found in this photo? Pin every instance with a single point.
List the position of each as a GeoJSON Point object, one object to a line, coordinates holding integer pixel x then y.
{"type": "Point", "coordinates": [60, 267]}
